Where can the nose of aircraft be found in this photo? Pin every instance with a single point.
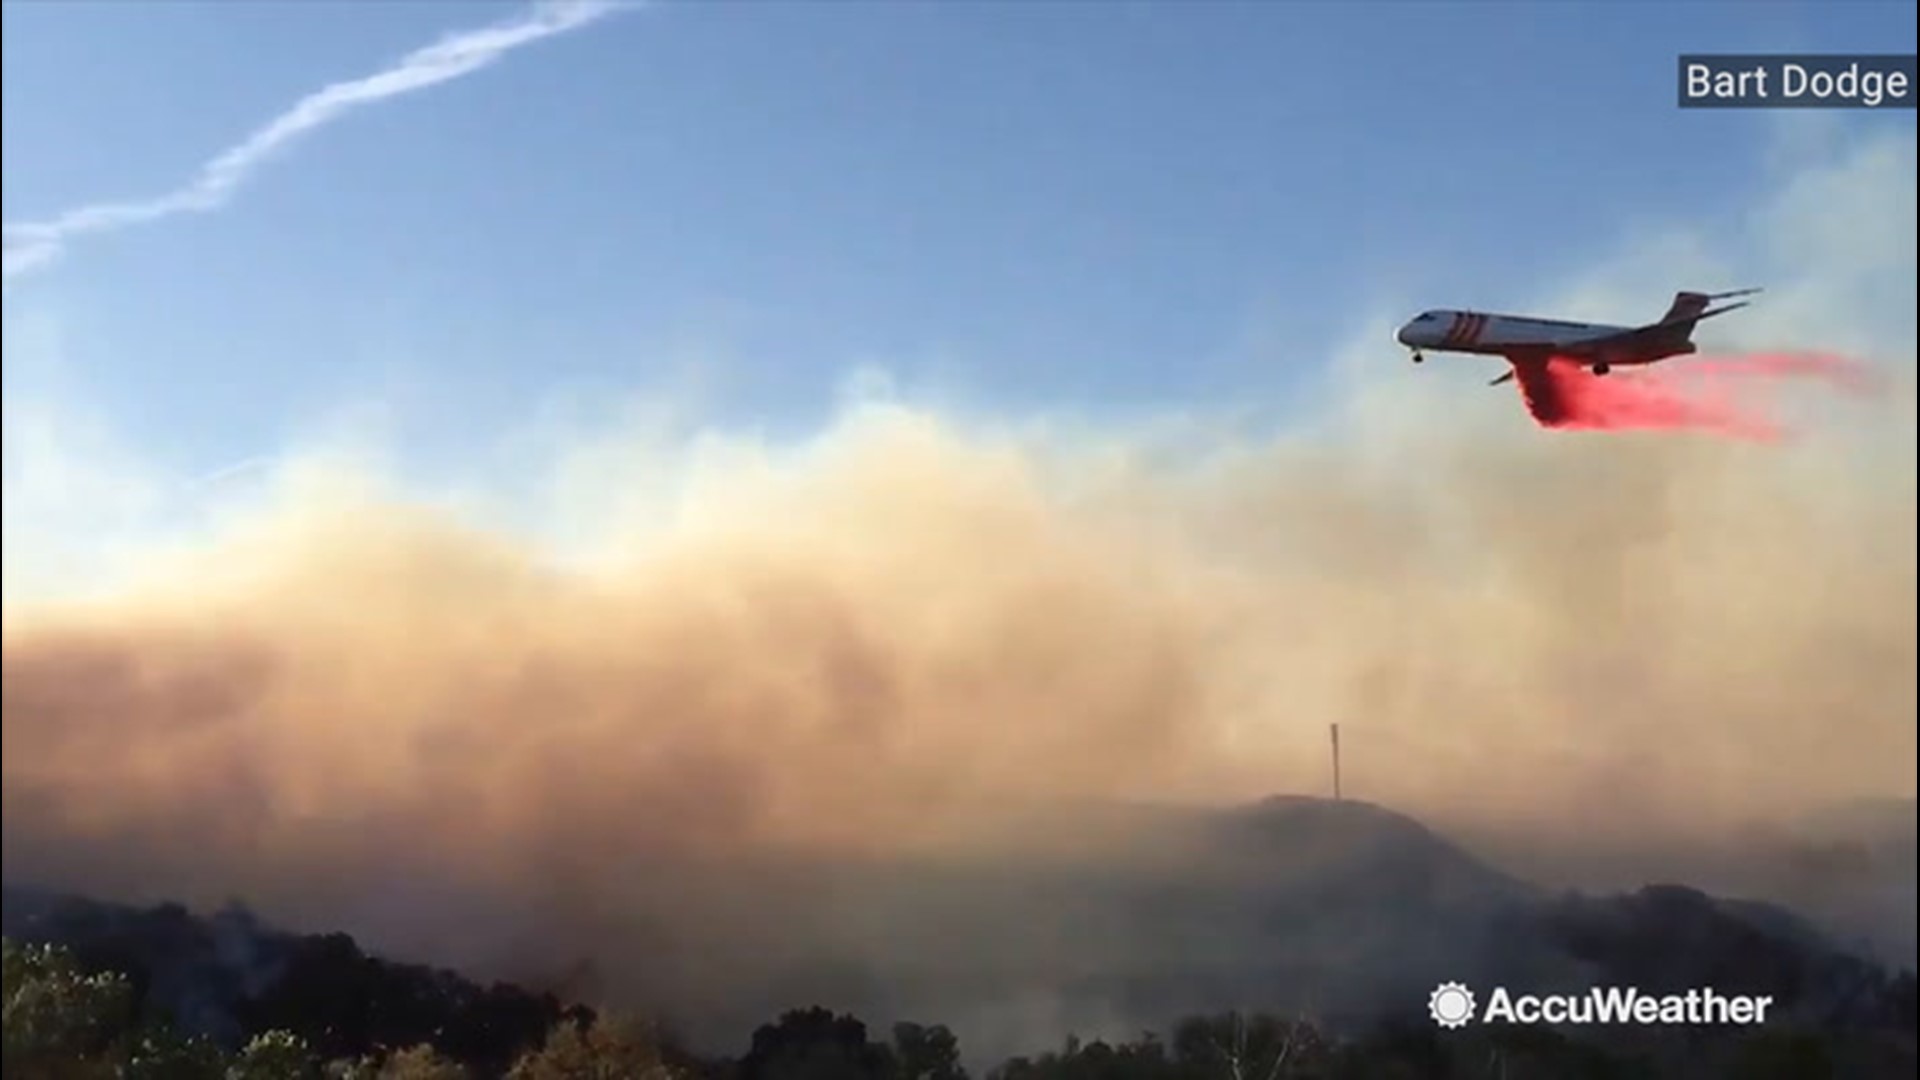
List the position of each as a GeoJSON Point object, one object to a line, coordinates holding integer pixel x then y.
{"type": "Point", "coordinates": [1404, 335]}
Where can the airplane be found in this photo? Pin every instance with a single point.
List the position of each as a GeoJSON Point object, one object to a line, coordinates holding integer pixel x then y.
{"type": "Point", "coordinates": [1531, 342]}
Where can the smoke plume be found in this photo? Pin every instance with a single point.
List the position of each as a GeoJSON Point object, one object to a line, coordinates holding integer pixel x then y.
{"type": "Point", "coordinates": [882, 646]}
{"type": "Point", "coordinates": [914, 636]}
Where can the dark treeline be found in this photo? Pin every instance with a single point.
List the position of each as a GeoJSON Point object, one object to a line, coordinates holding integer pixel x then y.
{"type": "Point", "coordinates": [340, 1014]}
{"type": "Point", "coordinates": [108, 990]}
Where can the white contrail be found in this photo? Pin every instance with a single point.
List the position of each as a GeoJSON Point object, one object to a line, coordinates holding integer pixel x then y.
{"type": "Point", "coordinates": [32, 244]}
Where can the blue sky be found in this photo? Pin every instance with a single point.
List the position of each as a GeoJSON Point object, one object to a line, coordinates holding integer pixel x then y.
{"type": "Point", "coordinates": [1096, 206]}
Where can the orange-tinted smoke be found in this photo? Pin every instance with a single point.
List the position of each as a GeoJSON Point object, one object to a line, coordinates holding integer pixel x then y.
{"type": "Point", "coordinates": [1715, 395]}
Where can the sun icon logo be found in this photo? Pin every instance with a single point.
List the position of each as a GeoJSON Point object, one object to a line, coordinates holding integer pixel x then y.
{"type": "Point", "coordinates": [1451, 1005]}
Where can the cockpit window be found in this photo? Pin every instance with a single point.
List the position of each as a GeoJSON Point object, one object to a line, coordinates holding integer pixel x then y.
{"type": "Point", "coordinates": [1425, 316]}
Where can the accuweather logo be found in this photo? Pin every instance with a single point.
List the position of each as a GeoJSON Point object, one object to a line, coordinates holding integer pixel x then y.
{"type": "Point", "coordinates": [1452, 1005]}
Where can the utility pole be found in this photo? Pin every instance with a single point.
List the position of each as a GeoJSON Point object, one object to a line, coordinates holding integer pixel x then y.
{"type": "Point", "coordinates": [1335, 731]}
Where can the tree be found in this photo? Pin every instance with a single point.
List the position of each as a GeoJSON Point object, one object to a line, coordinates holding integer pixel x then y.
{"type": "Point", "coordinates": [926, 1053]}
{"type": "Point", "coordinates": [606, 1049]}
{"type": "Point", "coordinates": [275, 1055]}
{"type": "Point", "coordinates": [1144, 1058]}
{"type": "Point", "coordinates": [160, 1053]}
{"type": "Point", "coordinates": [60, 1021]}
{"type": "Point", "coordinates": [1260, 1047]}
{"type": "Point", "coordinates": [815, 1044]}
{"type": "Point", "coordinates": [421, 1062]}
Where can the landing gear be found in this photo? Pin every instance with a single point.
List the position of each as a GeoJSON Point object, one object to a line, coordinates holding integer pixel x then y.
{"type": "Point", "coordinates": [1602, 368]}
{"type": "Point", "coordinates": [1417, 358]}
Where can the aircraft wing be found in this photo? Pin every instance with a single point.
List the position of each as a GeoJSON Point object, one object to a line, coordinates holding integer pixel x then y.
{"type": "Point", "coordinates": [1526, 360]}
{"type": "Point", "coordinates": [1540, 391]}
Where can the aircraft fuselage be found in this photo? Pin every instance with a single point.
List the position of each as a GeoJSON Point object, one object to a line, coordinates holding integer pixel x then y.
{"type": "Point", "coordinates": [1486, 334]}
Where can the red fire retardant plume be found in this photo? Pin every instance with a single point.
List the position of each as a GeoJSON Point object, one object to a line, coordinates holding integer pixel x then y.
{"type": "Point", "coordinates": [1715, 395]}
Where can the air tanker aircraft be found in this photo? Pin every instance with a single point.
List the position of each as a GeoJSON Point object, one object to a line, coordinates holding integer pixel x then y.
{"type": "Point", "coordinates": [1530, 343]}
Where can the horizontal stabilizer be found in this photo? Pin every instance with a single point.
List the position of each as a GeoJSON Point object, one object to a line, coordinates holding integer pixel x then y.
{"type": "Point", "coordinates": [1710, 313]}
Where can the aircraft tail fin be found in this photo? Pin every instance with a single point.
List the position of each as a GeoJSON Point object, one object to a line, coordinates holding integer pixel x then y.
{"type": "Point", "coordinates": [1690, 307]}
{"type": "Point", "coordinates": [1686, 305]}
